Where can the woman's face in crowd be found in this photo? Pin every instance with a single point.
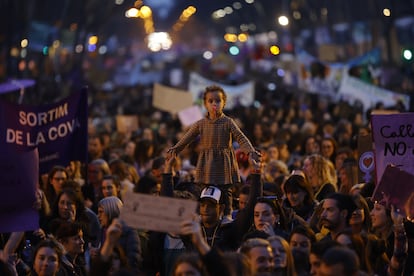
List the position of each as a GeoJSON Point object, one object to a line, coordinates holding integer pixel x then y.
{"type": "Point", "coordinates": [358, 217]}
{"type": "Point", "coordinates": [67, 208]}
{"type": "Point", "coordinates": [186, 269]}
{"type": "Point", "coordinates": [300, 242]}
{"type": "Point", "coordinates": [279, 254]}
{"type": "Point", "coordinates": [57, 180]}
{"type": "Point", "coordinates": [263, 216]}
{"type": "Point", "coordinates": [103, 217]}
{"type": "Point", "coordinates": [296, 198]}
{"type": "Point", "coordinates": [307, 167]}
{"type": "Point", "coordinates": [109, 188]}
{"type": "Point", "coordinates": [74, 245]}
{"type": "Point", "coordinates": [46, 262]}
{"type": "Point", "coordinates": [327, 148]}
{"type": "Point", "coordinates": [379, 216]}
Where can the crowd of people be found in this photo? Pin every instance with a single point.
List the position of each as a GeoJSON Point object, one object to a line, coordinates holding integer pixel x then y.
{"type": "Point", "coordinates": [284, 200]}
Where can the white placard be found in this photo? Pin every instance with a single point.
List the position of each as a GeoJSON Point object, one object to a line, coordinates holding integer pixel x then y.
{"type": "Point", "coordinates": [156, 213]}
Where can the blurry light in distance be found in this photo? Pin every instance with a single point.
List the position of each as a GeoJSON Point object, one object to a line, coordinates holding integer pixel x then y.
{"type": "Point", "coordinates": [271, 86]}
{"type": "Point", "coordinates": [208, 55]}
{"type": "Point", "coordinates": [56, 44]}
{"type": "Point", "coordinates": [249, 1]}
{"type": "Point", "coordinates": [31, 65]}
{"type": "Point", "coordinates": [234, 50]}
{"type": "Point", "coordinates": [283, 20]}
{"type": "Point", "coordinates": [272, 35]}
{"type": "Point", "coordinates": [93, 40]}
{"type": "Point", "coordinates": [102, 50]}
{"type": "Point", "coordinates": [244, 27]}
{"type": "Point", "coordinates": [45, 50]}
{"type": "Point", "coordinates": [158, 41]}
{"type": "Point", "coordinates": [146, 12]}
{"type": "Point", "coordinates": [242, 37]}
{"type": "Point", "coordinates": [324, 11]}
{"type": "Point", "coordinates": [228, 10]}
{"type": "Point", "coordinates": [280, 72]}
{"type": "Point", "coordinates": [91, 48]}
{"type": "Point", "coordinates": [386, 12]}
{"type": "Point", "coordinates": [252, 27]}
{"type": "Point", "coordinates": [132, 12]}
{"type": "Point", "coordinates": [407, 54]}
{"type": "Point", "coordinates": [119, 2]}
{"type": "Point", "coordinates": [275, 50]}
{"type": "Point", "coordinates": [256, 104]}
{"type": "Point", "coordinates": [22, 65]}
{"type": "Point", "coordinates": [24, 43]}
{"type": "Point", "coordinates": [79, 48]}
{"type": "Point", "coordinates": [297, 15]}
{"type": "Point", "coordinates": [14, 52]}
{"type": "Point", "coordinates": [230, 37]}
{"type": "Point", "coordinates": [237, 5]}
{"type": "Point", "coordinates": [23, 53]}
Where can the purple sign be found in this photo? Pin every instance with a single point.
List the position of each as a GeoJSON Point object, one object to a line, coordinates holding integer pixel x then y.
{"type": "Point", "coordinates": [58, 131]}
{"type": "Point", "coordinates": [393, 136]}
{"type": "Point", "coordinates": [19, 175]}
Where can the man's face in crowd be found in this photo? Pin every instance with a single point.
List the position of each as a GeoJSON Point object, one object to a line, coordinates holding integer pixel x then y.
{"type": "Point", "coordinates": [331, 215]}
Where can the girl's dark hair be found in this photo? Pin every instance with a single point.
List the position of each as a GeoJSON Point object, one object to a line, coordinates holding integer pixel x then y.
{"type": "Point", "coordinates": [191, 258]}
{"type": "Point", "coordinates": [80, 207]}
{"type": "Point", "coordinates": [214, 88]}
{"type": "Point", "coordinates": [277, 209]}
{"type": "Point", "coordinates": [295, 183]}
{"type": "Point", "coordinates": [51, 243]}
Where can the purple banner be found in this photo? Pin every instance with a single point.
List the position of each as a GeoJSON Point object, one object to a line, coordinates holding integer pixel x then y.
{"type": "Point", "coordinates": [393, 136]}
{"type": "Point", "coordinates": [58, 130]}
{"type": "Point", "coordinates": [19, 176]}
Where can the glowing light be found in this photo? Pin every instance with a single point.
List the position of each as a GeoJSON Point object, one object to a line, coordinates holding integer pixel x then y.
{"type": "Point", "coordinates": [407, 54]}
{"type": "Point", "coordinates": [91, 48]}
{"type": "Point", "coordinates": [102, 50]}
{"type": "Point", "coordinates": [234, 50]}
{"type": "Point", "coordinates": [208, 55]}
{"type": "Point", "coordinates": [275, 50]}
{"type": "Point", "coordinates": [14, 52]}
{"type": "Point", "coordinates": [93, 40]}
{"type": "Point", "coordinates": [146, 12]}
{"type": "Point", "coordinates": [24, 43]}
{"type": "Point", "coordinates": [386, 12]}
{"type": "Point", "coordinates": [79, 48]}
{"type": "Point", "coordinates": [56, 44]}
{"type": "Point", "coordinates": [228, 10]}
{"type": "Point", "coordinates": [283, 20]}
{"type": "Point", "coordinates": [237, 5]}
{"type": "Point", "coordinates": [132, 12]}
{"type": "Point", "coordinates": [159, 41]}
{"type": "Point", "coordinates": [230, 37]}
{"type": "Point", "coordinates": [242, 37]}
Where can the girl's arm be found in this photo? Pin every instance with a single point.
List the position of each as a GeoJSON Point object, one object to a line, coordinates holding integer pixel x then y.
{"type": "Point", "coordinates": [189, 136]}
{"type": "Point", "coordinates": [242, 139]}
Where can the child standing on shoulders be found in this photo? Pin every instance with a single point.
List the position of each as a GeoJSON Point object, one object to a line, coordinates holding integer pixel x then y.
{"type": "Point", "coordinates": [216, 164]}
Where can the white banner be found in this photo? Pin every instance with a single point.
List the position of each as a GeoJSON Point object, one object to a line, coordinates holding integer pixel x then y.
{"type": "Point", "coordinates": [242, 94]}
{"type": "Point", "coordinates": [353, 89]}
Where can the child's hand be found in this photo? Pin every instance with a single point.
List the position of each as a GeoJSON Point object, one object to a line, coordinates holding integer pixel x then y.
{"type": "Point", "coordinates": [171, 153]}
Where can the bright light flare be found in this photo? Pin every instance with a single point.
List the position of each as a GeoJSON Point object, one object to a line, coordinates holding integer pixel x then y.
{"type": "Point", "coordinates": [158, 41]}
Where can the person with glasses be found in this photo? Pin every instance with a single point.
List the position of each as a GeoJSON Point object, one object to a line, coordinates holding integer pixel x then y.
{"type": "Point", "coordinates": [56, 177]}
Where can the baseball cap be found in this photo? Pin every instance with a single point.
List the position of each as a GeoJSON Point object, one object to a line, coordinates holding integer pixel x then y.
{"type": "Point", "coordinates": [211, 192]}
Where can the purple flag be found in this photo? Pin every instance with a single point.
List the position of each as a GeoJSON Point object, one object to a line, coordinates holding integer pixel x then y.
{"type": "Point", "coordinates": [19, 175]}
{"type": "Point", "coordinates": [58, 130]}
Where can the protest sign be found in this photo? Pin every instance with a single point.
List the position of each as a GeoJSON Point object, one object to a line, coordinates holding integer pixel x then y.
{"type": "Point", "coordinates": [393, 140]}
{"type": "Point", "coordinates": [126, 123]}
{"type": "Point", "coordinates": [170, 99]}
{"type": "Point", "coordinates": [58, 130]}
{"type": "Point", "coordinates": [190, 115]}
{"type": "Point", "coordinates": [19, 176]}
{"type": "Point", "coordinates": [387, 193]}
{"type": "Point", "coordinates": [163, 214]}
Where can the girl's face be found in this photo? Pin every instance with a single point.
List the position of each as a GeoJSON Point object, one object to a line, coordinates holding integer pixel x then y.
{"type": "Point", "coordinates": [46, 262]}
{"type": "Point", "coordinates": [214, 102]}
{"type": "Point", "coordinates": [103, 217]}
{"type": "Point", "coordinates": [327, 148]}
{"type": "Point", "coordinates": [263, 216]}
{"type": "Point", "coordinates": [186, 269]}
{"type": "Point", "coordinates": [358, 217]}
{"type": "Point", "coordinates": [57, 180]}
{"type": "Point", "coordinates": [308, 168]}
{"type": "Point", "coordinates": [67, 208]}
{"type": "Point", "coordinates": [296, 198]}
{"type": "Point", "coordinates": [379, 216]}
{"type": "Point", "coordinates": [74, 245]}
{"type": "Point", "coordinates": [279, 254]}
{"type": "Point", "coordinates": [109, 188]}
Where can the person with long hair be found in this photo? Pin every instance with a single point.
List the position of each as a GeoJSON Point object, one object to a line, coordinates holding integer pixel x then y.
{"type": "Point", "coordinates": [282, 256]}
{"type": "Point", "coordinates": [47, 258]}
{"type": "Point", "coordinates": [299, 196]}
{"type": "Point", "coordinates": [321, 174]}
